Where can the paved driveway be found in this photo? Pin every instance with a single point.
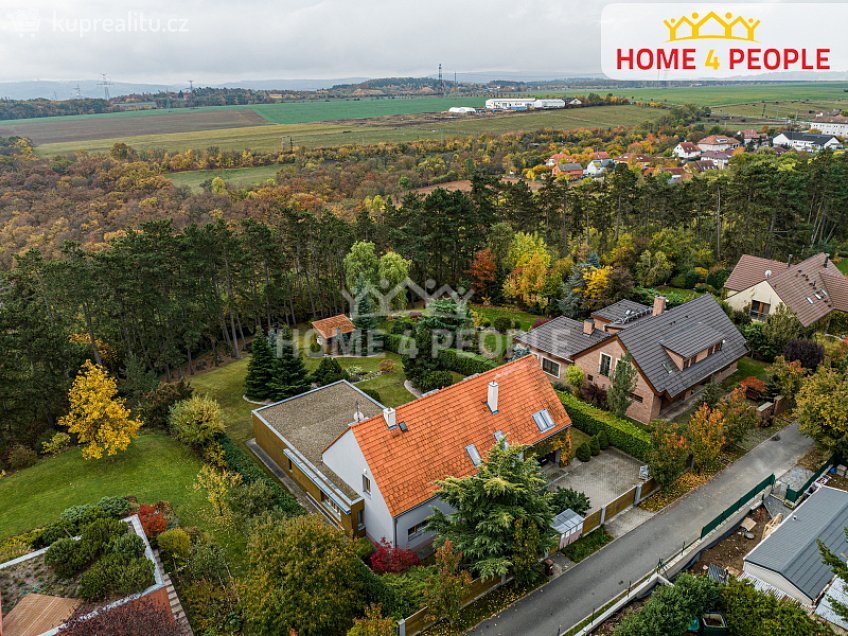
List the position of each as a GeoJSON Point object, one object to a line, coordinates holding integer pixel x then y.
{"type": "Point", "coordinates": [603, 478]}
{"type": "Point", "coordinates": [567, 600]}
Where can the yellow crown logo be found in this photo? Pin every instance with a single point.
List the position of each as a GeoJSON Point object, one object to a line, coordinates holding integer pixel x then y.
{"type": "Point", "coordinates": [711, 27]}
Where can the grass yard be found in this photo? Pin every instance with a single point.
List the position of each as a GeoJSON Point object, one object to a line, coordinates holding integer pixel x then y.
{"type": "Point", "coordinates": [271, 137]}
{"type": "Point", "coordinates": [747, 367]}
{"type": "Point", "coordinates": [526, 319]}
{"type": "Point", "coordinates": [587, 545]}
{"type": "Point", "coordinates": [842, 265]}
{"type": "Point", "coordinates": [236, 177]}
{"type": "Point", "coordinates": [155, 467]}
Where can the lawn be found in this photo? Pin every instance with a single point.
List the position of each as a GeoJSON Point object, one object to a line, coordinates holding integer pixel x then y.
{"type": "Point", "coordinates": [842, 265]}
{"type": "Point", "coordinates": [747, 367]}
{"type": "Point", "coordinates": [226, 385]}
{"type": "Point", "coordinates": [235, 177]}
{"type": "Point", "coordinates": [154, 468]}
{"type": "Point", "coordinates": [489, 312]}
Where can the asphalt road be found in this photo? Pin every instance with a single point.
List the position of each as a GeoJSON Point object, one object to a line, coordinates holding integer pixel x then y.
{"type": "Point", "coordinates": [589, 585]}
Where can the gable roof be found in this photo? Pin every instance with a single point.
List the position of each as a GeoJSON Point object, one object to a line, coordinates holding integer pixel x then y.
{"type": "Point", "coordinates": [688, 146]}
{"type": "Point", "coordinates": [699, 320]}
{"type": "Point", "coordinates": [751, 270]}
{"type": "Point", "coordinates": [791, 550]}
{"type": "Point", "coordinates": [330, 327]}
{"type": "Point", "coordinates": [804, 288]}
{"type": "Point", "coordinates": [561, 337]}
{"type": "Point", "coordinates": [570, 167]}
{"type": "Point", "coordinates": [813, 138]}
{"type": "Point", "coordinates": [622, 311]}
{"type": "Point", "coordinates": [439, 426]}
{"type": "Point", "coordinates": [716, 140]}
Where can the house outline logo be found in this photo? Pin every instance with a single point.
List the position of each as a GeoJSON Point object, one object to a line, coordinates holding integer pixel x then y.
{"type": "Point", "coordinates": [730, 27]}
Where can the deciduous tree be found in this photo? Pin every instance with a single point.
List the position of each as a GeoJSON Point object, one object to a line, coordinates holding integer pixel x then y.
{"type": "Point", "coordinates": [706, 436]}
{"type": "Point", "coordinates": [822, 409]}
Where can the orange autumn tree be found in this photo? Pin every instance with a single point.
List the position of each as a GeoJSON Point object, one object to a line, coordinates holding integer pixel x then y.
{"type": "Point", "coordinates": [706, 437]}
{"type": "Point", "coordinates": [482, 272]}
{"type": "Point", "coordinates": [97, 416]}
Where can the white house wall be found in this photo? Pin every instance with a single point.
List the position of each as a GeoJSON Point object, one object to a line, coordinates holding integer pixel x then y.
{"type": "Point", "coordinates": [345, 459]}
{"type": "Point", "coordinates": [762, 292]}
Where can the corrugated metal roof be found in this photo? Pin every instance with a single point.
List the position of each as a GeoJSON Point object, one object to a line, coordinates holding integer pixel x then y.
{"type": "Point", "coordinates": [561, 337]}
{"type": "Point", "coordinates": [792, 551]}
{"type": "Point", "coordinates": [643, 339]}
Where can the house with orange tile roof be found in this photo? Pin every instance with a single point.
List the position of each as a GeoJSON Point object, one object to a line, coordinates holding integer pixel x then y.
{"type": "Point", "coordinates": [377, 476]}
{"type": "Point", "coordinates": [329, 332]}
{"type": "Point", "coordinates": [812, 289]}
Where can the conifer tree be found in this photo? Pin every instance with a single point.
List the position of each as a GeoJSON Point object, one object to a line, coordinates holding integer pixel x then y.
{"type": "Point", "coordinates": [328, 371]}
{"type": "Point", "coordinates": [365, 338]}
{"type": "Point", "coordinates": [259, 369]}
{"type": "Point", "coordinates": [289, 376]}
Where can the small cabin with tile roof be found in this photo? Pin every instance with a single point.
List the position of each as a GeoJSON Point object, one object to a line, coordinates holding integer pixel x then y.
{"type": "Point", "coordinates": [330, 332]}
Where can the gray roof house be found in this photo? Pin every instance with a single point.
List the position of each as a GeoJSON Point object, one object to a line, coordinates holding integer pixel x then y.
{"type": "Point", "coordinates": [788, 561]}
{"type": "Point", "coordinates": [675, 351]}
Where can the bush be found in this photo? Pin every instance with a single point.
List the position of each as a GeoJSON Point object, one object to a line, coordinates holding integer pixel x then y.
{"type": "Point", "coordinates": [152, 520]}
{"type": "Point", "coordinates": [713, 392]}
{"type": "Point", "coordinates": [584, 452]}
{"type": "Point", "coordinates": [54, 532]}
{"type": "Point", "coordinates": [196, 421]}
{"type": "Point", "coordinates": [387, 366]}
{"type": "Point", "coordinates": [364, 548]}
{"type": "Point", "coordinates": [433, 380]}
{"type": "Point", "coordinates": [101, 533]}
{"type": "Point", "coordinates": [595, 395]}
{"type": "Point", "coordinates": [623, 434]}
{"type": "Point", "coordinates": [387, 558]}
{"type": "Point", "coordinates": [77, 515]}
{"type": "Point", "coordinates": [516, 324]}
{"type": "Point", "coordinates": [237, 460]}
{"type": "Point", "coordinates": [808, 352]}
{"type": "Point", "coordinates": [603, 439]}
{"type": "Point", "coordinates": [464, 362]}
{"type": "Point", "coordinates": [754, 387]}
{"type": "Point", "coordinates": [566, 498]}
{"type": "Point", "coordinates": [139, 618]}
{"type": "Point", "coordinates": [595, 446]}
{"type": "Point", "coordinates": [115, 574]}
{"type": "Point", "coordinates": [115, 507]}
{"type": "Point", "coordinates": [372, 393]}
{"type": "Point", "coordinates": [65, 558]}
{"type": "Point", "coordinates": [206, 561]}
{"type": "Point", "coordinates": [21, 456]}
{"type": "Point", "coordinates": [175, 544]}
{"type": "Point", "coordinates": [157, 404]}
{"type": "Point", "coordinates": [398, 343]}
{"type": "Point", "coordinates": [58, 442]}
{"type": "Point", "coordinates": [574, 377]}
{"type": "Point", "coordinates": [329, 370]}
{"type": "Point", "coordinates": [502, 324]}
{"type": "Point", "coordinates": [249, 500]}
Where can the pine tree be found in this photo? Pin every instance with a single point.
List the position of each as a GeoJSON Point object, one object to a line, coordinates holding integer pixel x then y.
{"type": "Point", "coordinates": [328, 371]}
{"type": "Point", "coordinates": [365, 338]}
{"type": "Point", "coordinates": [259, 369]}
{"type": "Point", "coordinates": [288, 374]}
{"type": "Point", "coordinates": [623, 382]}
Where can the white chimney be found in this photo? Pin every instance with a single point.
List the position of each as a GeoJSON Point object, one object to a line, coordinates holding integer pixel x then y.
{"type": "Point", "coordinates": [492, 400]}
{"type": "Point", "coordinates": [390, 415]}
{"type": "Point", "coordinates": [659, 306]}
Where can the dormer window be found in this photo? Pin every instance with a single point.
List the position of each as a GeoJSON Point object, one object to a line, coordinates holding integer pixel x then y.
{"type": "Point", "coordinates": [474, 454]}
{"type": "Point", "coordinates": [543, 420]}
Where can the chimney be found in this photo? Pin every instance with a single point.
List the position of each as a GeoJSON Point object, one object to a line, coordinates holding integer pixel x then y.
{"type": "Point", "coordinates": [492, 400]}
{"type": "Point", "coordinates": [826, 256]}
{"type": "Point", "coordinates": [390, 415]}
{"type": "Point", "coordinates": [588, 326]}
{"type": "Point", "coordinates": [659, 306]}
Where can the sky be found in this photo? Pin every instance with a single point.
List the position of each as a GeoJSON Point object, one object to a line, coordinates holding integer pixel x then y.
{"type": "Point", "coordinates": [213, 41]}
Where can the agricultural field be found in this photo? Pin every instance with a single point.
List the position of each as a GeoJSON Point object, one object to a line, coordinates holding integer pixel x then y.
{"type": "Point", "coordinates": [235, 177]}
{"type": "Point", "coordinates": [272, 137]}
{"type": "Point", "coordinates": [726, 95]}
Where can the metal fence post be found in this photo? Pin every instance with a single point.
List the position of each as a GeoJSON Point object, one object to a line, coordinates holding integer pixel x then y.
{"type": "Point", "coordinates": [638, 497]}
{"type": "Point", "coordinates": [401, 627]}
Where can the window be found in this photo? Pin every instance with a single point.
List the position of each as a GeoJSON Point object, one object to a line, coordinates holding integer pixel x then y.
{"type": "Point", "coordinates": [589, 378]}
{"type": "Point", "coordinates": [636, 397]}
{"type": "Point", "coordinates": [331, 505]}
{"type": "Point", "coordinates": [474, 454]}
{"type": "Point", "coordinates": [417, 530]}
{"type": "Point", "coordinates": [360, 519]}
{"type": "Point", "coordinates": [550, 367]}
{"type": "Point", "coordinates": [500, 437]}
{"type": "Point", "coordinates": [543, 420]}
{"type": "Point", "coordinates": [606, 363]}
{"type": "Point", "coordinates": [366, 485]}
{"type": "Point", "coordinates": [759, 310]}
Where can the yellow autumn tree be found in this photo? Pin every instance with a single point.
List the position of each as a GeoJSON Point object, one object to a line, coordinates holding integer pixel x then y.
{"type": "Point", "coordinates": [530, 262]}
{"type": "Point", "coordinates": [97, 415]}
{"type": "Point", "coordinates": [597, 280]}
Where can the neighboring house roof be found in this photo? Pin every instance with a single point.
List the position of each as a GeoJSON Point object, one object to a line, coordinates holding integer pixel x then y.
{"type": "Point", "coordinates": [603, 154]}
{"type": "Point", "coordinates": [813, 138]}
{"type": "Point", "coordinates": [718, 140]}
{"type": "Point", "coordinates": [750, 134]}
{"type": "Point", "coordinates": [622, 311]}
{"type": "Point", "coordinates": [330, 327]}
{"type": "Point", "coordinates": [837, 286]}
{"type": "Point", "coordinates": [803, 288]}
{"type": "Point", "coordinates": [311, 421]}
{"type": "Point", "coordinates": [688, 146]}
{"type": "Point", "coordinates": [700, 166]}
{"type": "Point", "coordinates": [561, 337]}
{"type": "Point", "coordinates": [439, 426]}
{"type": "Point", "coordinates": [751, 270]}
{"type": "Point", "coordinates": [570, 167]}
{"type": "Point", "coordinates": [699, 319]}
{"type": "Point", "coordinates": [716, 154]}
{"type": "Point", "coordinates": [791, 550]}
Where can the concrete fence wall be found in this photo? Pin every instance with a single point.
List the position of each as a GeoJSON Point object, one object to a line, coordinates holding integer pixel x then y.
{"type": "Point", "coordinates": [630, 498]}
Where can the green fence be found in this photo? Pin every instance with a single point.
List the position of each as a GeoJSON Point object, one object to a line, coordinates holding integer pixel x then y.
{"type": "Point", "coordinates": [793, 495]}
{"type": "Point", "coordinates": [732, 510]}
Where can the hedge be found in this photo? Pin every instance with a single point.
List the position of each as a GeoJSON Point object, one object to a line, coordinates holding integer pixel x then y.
{"type": "Point", "coordinates": [396, 343]}
{"type": "Point", "coordinates": [464, 362]}
{"type": "Point", "coordinates": [239, 461]}
{"type": "Point", "coordinates": [624, 435]}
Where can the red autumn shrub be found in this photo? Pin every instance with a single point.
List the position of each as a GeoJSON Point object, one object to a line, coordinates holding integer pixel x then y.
{"type": "Point", "coordinates": [754, 387]}
{"type": "Point", "coordinates": [152, 520]}
{"type": "Point", "coordinates": [140, 618]}
{"type": "Point", "coordinates": [389, 559]}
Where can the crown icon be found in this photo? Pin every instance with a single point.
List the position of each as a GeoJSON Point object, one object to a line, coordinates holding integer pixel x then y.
{"type": "Point", "coordinates": [711, 27]}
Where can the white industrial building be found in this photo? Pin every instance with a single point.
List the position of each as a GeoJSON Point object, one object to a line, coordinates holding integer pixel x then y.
{"type": "Point", "coordinates": [526, 103]}
{"type": "Point", "coordinates": [837, 125]}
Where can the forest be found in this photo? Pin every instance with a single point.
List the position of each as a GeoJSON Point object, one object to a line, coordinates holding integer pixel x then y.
{"type": "Point", "coordinates": [104, 259]}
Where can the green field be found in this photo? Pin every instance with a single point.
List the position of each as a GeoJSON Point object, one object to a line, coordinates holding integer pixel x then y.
{"type": "Point", "coordinates": [236, 177]}
{"type": "Point", "coordinates": [737, 93]}
{"type": "Point", "coordinates": [272, 137]}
